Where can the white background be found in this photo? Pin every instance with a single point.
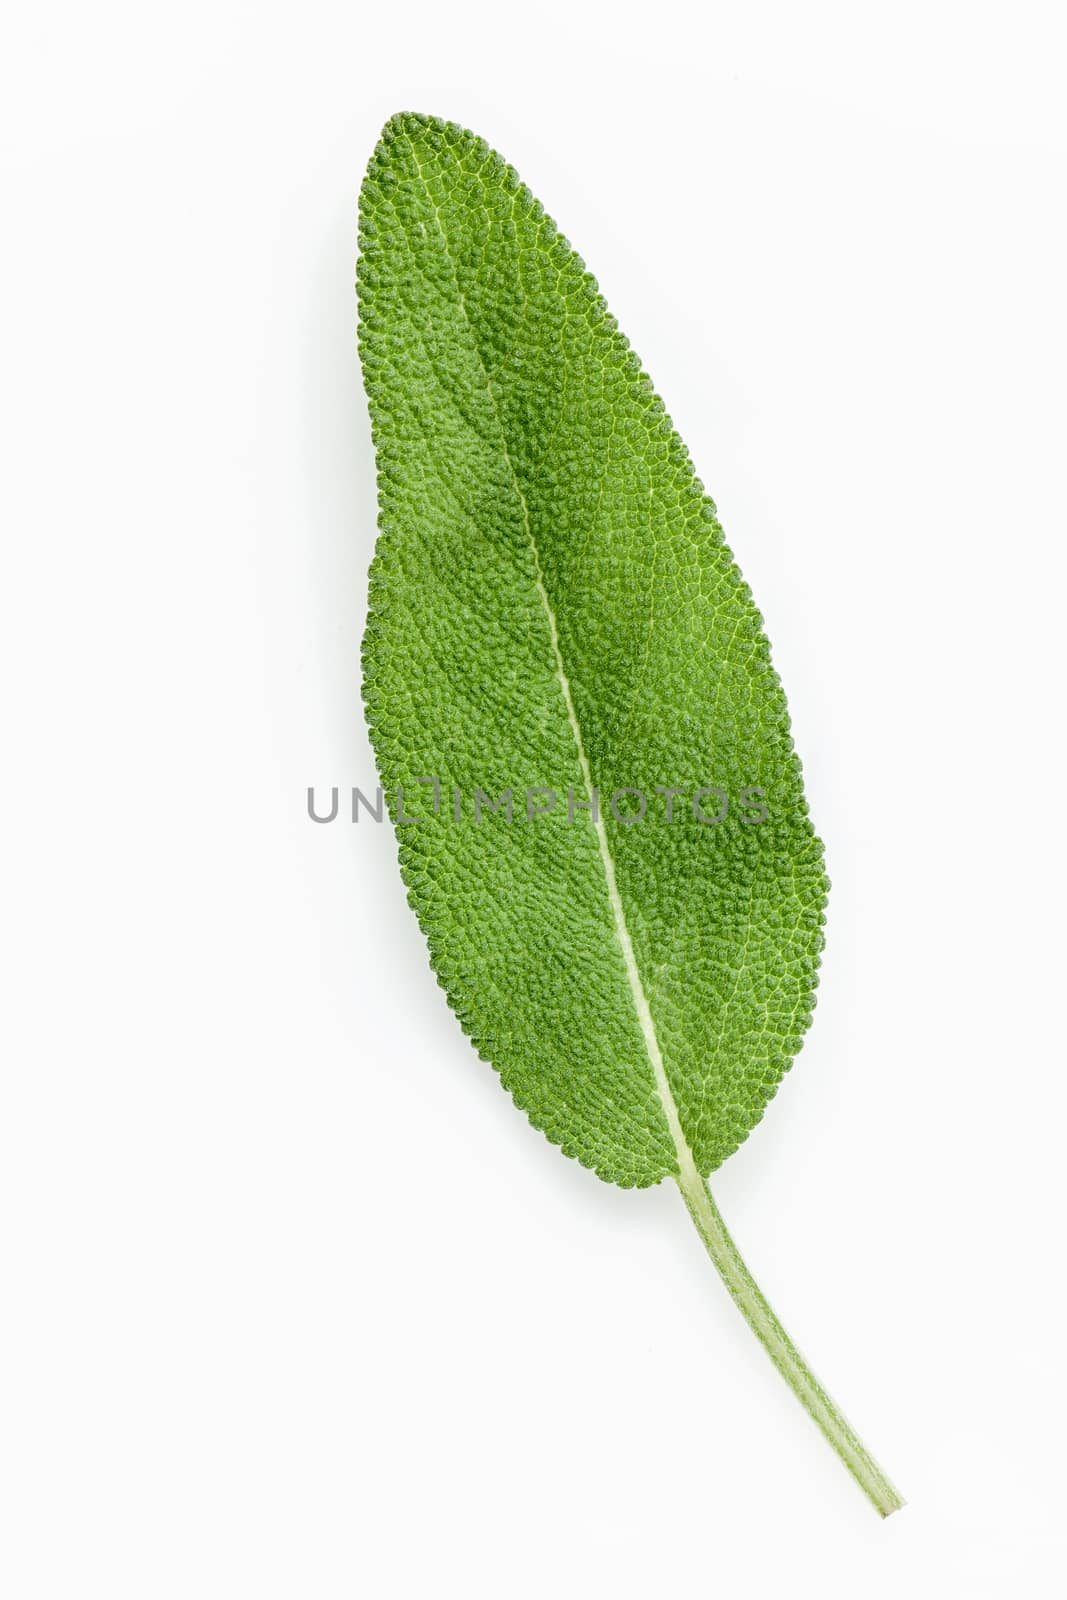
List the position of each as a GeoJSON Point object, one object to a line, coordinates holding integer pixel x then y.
{"type": "Point", "coordinates": [294, 1302]}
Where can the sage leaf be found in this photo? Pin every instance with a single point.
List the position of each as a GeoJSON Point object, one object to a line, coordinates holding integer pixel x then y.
{"type": "Point", "coordinates": [584, 744]}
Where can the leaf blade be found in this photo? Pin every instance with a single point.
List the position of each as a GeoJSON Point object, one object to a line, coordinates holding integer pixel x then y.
{"type": "Point", "coordinates": [552, 596]}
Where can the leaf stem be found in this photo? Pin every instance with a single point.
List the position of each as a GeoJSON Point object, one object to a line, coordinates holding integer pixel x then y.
{"type": "Point", "coordinates": [754, 1307]}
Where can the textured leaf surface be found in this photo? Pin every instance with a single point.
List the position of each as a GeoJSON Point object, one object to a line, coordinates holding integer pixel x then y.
{"type": "Point", "coordinates": [552, 604]}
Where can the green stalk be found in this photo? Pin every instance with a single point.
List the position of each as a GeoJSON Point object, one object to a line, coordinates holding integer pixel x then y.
{"type": "Point", "coordinates": [754, 1307]}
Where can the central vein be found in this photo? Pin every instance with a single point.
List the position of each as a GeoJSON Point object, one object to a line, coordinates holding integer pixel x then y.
{"type": "Point", "coordinates": [622, 931]}
{"type": "Point", "coordinates": [687, 1167]}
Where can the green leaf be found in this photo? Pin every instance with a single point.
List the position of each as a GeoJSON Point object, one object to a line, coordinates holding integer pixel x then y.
{"type": "Point", "coordinates": [553, 608]}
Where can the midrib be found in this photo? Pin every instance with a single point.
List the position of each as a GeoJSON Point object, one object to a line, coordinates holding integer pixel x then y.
{"type": "Point", "coordinates": [686, 1163]}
